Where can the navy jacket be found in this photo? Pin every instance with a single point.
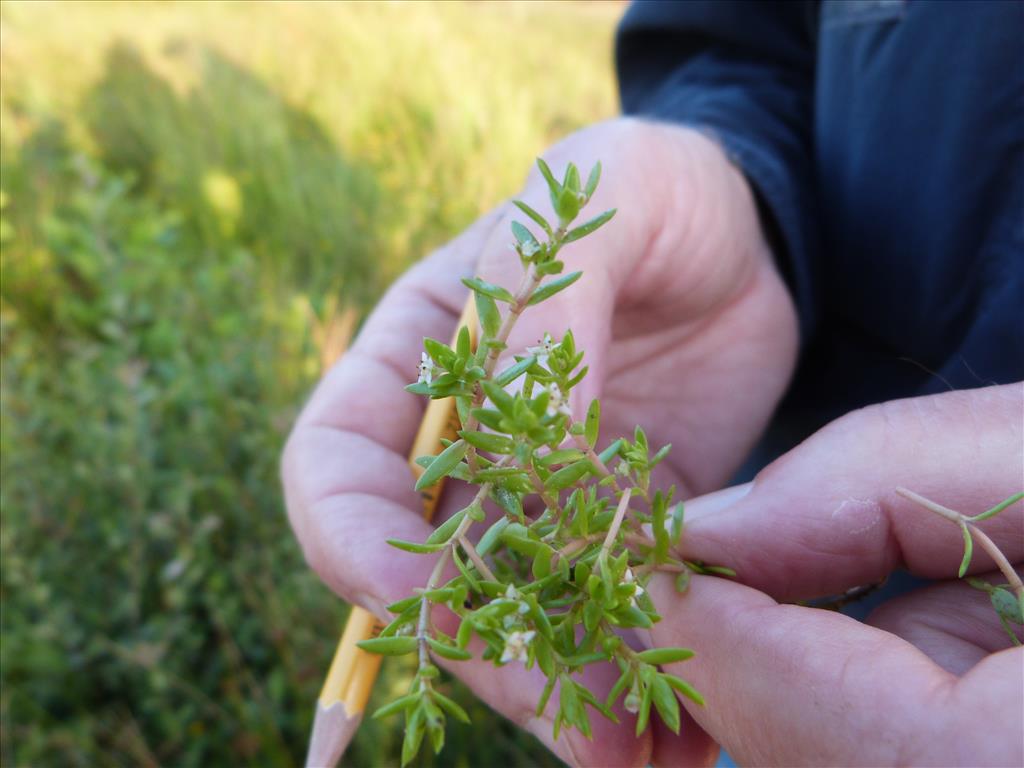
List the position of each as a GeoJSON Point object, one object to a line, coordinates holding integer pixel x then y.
{"type": "Point", "coordinates": [885, 142]}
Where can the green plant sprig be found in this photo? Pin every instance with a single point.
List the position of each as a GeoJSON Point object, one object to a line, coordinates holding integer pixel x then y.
{"type": "Point", "coordinates": [532, 585]}
{"type": "Point", "coordinates": [1007, 599]}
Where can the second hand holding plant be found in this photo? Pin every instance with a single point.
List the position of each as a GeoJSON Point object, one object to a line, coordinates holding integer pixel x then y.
{"type": "Point", "coordinates": [583, 562]}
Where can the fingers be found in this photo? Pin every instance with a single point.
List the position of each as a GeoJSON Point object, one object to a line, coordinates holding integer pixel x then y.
{"type": "Point", "coordinates": [690, 748]}
{"type": "Point", "coordinates": [825, 517]}
{"type": "Point", "coordinates": [954, 624]}
{"type": "Point", "coordinates": [787, 685]}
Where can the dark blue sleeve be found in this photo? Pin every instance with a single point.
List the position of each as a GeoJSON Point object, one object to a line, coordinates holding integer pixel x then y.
{"type": "Point", "coordinates": [743, 72]}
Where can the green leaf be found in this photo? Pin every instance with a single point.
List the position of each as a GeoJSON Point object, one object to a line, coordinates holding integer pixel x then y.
{"type": "Point", "coordinates": [998, 508]}
{"type": "Point", "coordinates": [448, 651]}
{"type": "Point", "coordinates": [593, 422]}
{"type": "Point", "coordinates": [488, 289]}
{"type": "Point", "coordinates": [444, 463]}
{"type": "Point", "coordinates": [570, 701]}
{"type": "Point", "coordinates": [396, 706]}
{"type": "Point", "coordinates": [592, 179]}
{"type": "Point", "coordinates": [509, 501]}
{"type": "Point", "coordinates": [553, 267]}
{"type": "Point", "coordinates": [542, 562]}
{"type": "Point", "coordinates": [594, 224]}
{"type": "Point", "coordinates": [486, 441]}
{"type": "Point", "coordinates": [525, 238]}
{"type": "Point", "coordinates": [465, 570]}
{"type": "Point", "coordinates": [611, 451]}
{"type": "Point", "coordinates": [684, 688]}
{"type": "Point", "coordinates": [487, 311]}
{"type": "Point", "coordinates": [463, 347]}
{"type": "Point", "coordinates": [968, 549]}
{"type": "Point", "coordinates": [440, 353]}
{"type": "Point", "coordinates": [451, 707]}
{"type": "Point", "coordinates": [502, 400]}
{"type": "Point", "coordinates": [665, 655]}
{"type": "Point", "coordinates": [549, 686]}
{"type": "Point", "coordinates": [624, 680]}
{"type": "Point", "coordinates": [540, 220]}
{"type": "Point", "coordinates": [462, 637]}
{"type": "Point", "coordinates": [389, 646]}
{"type": "Point", "coordinates": [414, 730]}
{"type": "Point", "coordinates": [402, 605]}
{"type": "Point", "coordinates": [513, 372]}
{"type": "Point", "coordinates": [666, 702]}
{"type": "Point", "coordinates": [488, 417]}
{"type": "Point", "coordinates": [660, 455]}
{"type": "Point", "coordinates": [676, 526]}
{"type": "Point", "coordinates": [548, 290]}
{"type": "Point", "coordinates": [644, 713]}
{"type": "Point", "coordinates": [572, 178]}
{"type": "Point", "coordinates": [443, 533]}
{"type": "Point", "coordinates": [515, 536]}
{"type": "Point", "coordinates": [1006, 605]}
{"type": "Point", "coordinates": [566, 476]}
{"type": "Point", "coordinates": [563, 456]}
{"type": "Point", "coordinates": [412, 546]}
{"type": "Point", "coordinates": [568, 205]}
{"type": "Point", "coordinates": [554, 188]}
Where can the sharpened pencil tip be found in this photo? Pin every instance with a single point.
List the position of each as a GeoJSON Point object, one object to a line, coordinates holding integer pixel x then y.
{"type": "Point", "coordinates": [333, 729]}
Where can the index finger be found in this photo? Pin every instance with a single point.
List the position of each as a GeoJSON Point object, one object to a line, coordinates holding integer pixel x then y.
{"type": "Point", "coordinates": [787, 685]}
{"type": "Point", "coordinates": [826, 517]}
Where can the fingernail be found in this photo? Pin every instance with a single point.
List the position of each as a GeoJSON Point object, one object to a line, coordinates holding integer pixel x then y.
{"type": "Point", "coordinates": [543, 729]}
{"type": "Point", "coordinates": [717, 501]}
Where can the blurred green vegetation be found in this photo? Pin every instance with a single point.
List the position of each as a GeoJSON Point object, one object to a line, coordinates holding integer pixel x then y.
{"type": "Point", "coordinates": [193, 194]}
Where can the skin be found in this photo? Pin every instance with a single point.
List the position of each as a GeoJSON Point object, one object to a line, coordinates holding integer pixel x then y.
{"type": "Point", "coordinates": [689, 331]}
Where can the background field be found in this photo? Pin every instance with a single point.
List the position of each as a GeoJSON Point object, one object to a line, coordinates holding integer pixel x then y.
{"type": "Point", "coordinates": [199, 202]}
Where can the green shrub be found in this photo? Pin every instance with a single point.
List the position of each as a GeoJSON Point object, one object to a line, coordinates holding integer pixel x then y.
{"type": "Point", "coordinates": [186, 189]}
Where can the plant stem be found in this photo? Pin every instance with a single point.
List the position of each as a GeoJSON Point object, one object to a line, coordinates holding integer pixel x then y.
{"type": "Point", "coordinates": [1000, 559]}
{"type": "Point", "coordinates": [613, 529]}
{"type": "Point", "coordinates": [470, 550]}
{"type": "Point", "coordinates": [976, 533]}
{"type": "Point", "coordinates": [938, 509]}
{"type": "Point", "coordinates": [528, 285]}
{"type": "Point", "coordinates": [435, 575]}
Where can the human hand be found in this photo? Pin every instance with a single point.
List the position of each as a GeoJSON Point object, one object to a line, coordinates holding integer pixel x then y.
{"type": "Point", "coordinates": [687, 329]}
{"type": "Point", "coordinates": [931, 678]}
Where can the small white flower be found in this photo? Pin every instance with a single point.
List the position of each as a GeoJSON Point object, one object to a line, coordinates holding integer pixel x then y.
{"type": "Point", "coordinates": [529, 248]}
{"type": "Point", "coordinates": [639, 590]}
{"type": "Point", "coordinates": [544, 348]}
{"type": "Point", "coordinates": [632, 701]}
{"type": "Point", "coordinates": [516, 646]}
{"type": "Point", "coordinates": [426, 369]}
{"type": "Point", "coordinates": [557, 402]}
{"type": "Point", "coordinates": [511, 593]}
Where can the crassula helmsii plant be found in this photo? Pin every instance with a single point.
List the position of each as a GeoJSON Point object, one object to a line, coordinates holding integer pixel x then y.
{"type": "Point", "coordinates": [552, 589]}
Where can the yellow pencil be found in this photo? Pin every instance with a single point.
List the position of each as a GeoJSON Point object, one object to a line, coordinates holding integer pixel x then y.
{"type": "Point", "coordinates": [346, 690]}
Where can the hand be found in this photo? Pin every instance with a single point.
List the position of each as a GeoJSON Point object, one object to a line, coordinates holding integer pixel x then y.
{"type": "Point", "coordinates": [687, 328]}
{"type": "Point", "coordinates": [931, 679]}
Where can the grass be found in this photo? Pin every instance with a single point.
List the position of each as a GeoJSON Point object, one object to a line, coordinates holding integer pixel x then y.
{"type": "Point", "coordinates": [196, 199]}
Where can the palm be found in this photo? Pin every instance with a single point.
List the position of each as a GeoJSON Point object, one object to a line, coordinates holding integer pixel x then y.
{"type": "Point", "coordinates": [687, 329]}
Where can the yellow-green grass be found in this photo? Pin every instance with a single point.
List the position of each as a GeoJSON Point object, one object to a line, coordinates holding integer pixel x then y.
{"type": "Point", "coordinates": [190, 192]}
